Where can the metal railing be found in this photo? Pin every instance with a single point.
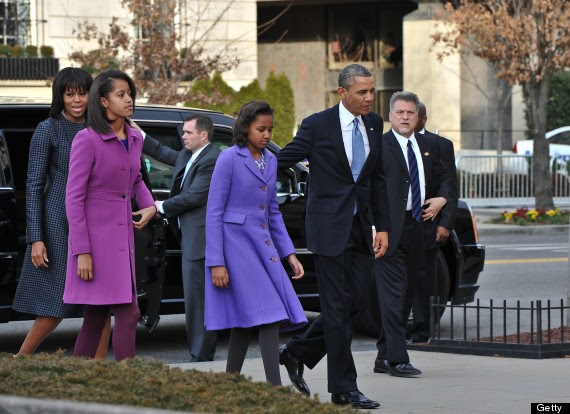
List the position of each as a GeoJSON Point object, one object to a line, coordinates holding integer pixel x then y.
{"type": "Point", "coordinates": [507, 180]}
{"type": "Point", "coordinates": [28, 68]}
{"type": "Point", "coordinates": [537, 330]}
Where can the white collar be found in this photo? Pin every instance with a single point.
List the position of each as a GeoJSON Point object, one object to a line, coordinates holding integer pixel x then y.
{"type": "Point", "coordinates": [403, 141]}
{"type": "Point", "coordinates": [346, 117]}
{"type": "Point", "coordinates": [195, 154]}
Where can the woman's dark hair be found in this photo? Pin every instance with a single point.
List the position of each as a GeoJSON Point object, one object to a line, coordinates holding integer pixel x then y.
{"type": "Point", "coordinates": [66, 79]}
{"type": "Point", "coordinates": [101, 88]}
{"type": "Point", "coordinates": [247, 114]}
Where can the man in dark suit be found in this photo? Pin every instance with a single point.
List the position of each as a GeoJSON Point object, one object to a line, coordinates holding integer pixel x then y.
{"type": "Point", "coordinates": [346, 224]}
{"type": "Point", "coordinates": [435, 231]}
{"type": "Point", "coordinates": [186, 213]}
{"type": "Point", "coordinates": [414, 178]}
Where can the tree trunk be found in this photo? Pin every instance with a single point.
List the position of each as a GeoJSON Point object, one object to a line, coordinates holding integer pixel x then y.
{"type": "Point", "coordinates": [542, 180]}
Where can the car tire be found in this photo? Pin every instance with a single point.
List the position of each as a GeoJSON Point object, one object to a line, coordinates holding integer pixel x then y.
{"type": "Point", "coordinates": [368, 322]}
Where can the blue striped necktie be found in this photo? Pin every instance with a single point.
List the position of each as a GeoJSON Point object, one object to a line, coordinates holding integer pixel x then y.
{"type": "Point", "coordinates": [415, 179]}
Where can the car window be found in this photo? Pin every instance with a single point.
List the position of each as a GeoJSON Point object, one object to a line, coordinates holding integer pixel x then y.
{"type": "Point", "coordinates": [563, 139]}
{"type": "Point", "coordinates": [160, 174]}
{"type": "Point", "coordinates": [222, 139]}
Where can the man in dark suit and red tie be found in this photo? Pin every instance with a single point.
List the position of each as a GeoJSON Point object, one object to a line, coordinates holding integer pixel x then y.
{"type": "Point", "coordinates": [347, 225]}
{"type": "Point", "coordinates": [418, 186]}
{"type": "Point", "coordinates": [435, 232]}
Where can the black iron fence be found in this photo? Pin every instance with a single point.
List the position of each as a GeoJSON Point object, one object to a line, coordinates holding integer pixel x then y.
{"type": "Point", "coordinates": [536, 330]}
{"type": "Point", "coordinates": [28, 68]}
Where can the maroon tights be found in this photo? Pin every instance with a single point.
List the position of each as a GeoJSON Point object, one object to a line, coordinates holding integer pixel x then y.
{"type": "Point", "coordinates": [124, 331]}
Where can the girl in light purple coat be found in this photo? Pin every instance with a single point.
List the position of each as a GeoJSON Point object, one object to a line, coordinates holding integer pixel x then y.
{"type": "Point", "coordinates": [104, 172]}
{"type": "Point", "coordinates": [246, 285]}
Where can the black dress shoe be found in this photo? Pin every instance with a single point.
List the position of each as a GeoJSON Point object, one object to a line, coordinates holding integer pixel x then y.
{"type": "Point", "coordinates": [295, 370]}
{"type": "Point", "coordinates": [404, 369]}
{"type": "Point", "coordinates": [381, 366]}
{"type": "Point", "coordinates": [354, 398]}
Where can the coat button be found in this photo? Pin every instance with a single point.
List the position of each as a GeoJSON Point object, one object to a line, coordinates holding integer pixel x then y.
{"type": "Point", "coordinates": [123, 196]}
{"type": "Point", "coordinates": [268, 242]}
{"type": "Point", "coordinates": [262, 206]}
{"type": "Point", "coordinates": [274, 259]}
{"type": "Point", "coordinates": [263, 225]}
{"type": "Point", "coordinates": [263, 188]}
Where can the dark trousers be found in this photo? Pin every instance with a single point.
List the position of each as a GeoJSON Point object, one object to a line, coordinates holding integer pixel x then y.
{"type": "Point", "coordinates": [394, 275]}
{"type": "Point", "coordinates": [124, 332]}
{"type": "Point", "coordinates": [343, 282]}
{"type": "Point", "coordinates": [201, 343]}
{"type": "Point", "coordinates": [425, 288]}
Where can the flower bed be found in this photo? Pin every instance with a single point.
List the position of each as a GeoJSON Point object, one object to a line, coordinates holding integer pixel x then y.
{"type": "Point", "coordinates": [524, 216]}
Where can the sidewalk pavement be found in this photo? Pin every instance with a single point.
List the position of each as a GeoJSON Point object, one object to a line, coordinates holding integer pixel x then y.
{"type": "Point", "coordinates": [450, 383]}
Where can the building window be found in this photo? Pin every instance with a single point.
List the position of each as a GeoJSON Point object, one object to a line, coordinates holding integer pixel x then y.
{"type": "Point", "coordinates": [352, 39]}
{"type": "Point", "coordinates": [14, 22]}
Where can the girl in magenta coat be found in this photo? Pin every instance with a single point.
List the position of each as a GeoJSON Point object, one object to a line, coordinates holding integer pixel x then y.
{"type": "Point", "coordinates": [104, 172]}
{"type": "Point", "coordinates": [246, 285]}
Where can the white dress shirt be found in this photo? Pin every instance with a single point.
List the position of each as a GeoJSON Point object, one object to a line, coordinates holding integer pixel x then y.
{"type": "Point", "coordinates": [403, 141]}
{"type": "Point", "coordinates": [346, 125]}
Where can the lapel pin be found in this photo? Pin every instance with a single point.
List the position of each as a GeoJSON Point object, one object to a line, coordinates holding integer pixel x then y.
{"type": "Point", "coordinates": [426, 154]}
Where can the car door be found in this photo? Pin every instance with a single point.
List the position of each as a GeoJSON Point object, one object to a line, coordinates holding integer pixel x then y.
{"type": "Point", "coordinates": [8, 233]}
{"type": "Point", "coordinates": [159, 282]}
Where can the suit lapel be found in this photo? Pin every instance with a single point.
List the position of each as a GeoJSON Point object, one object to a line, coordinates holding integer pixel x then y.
{"type": "Point", "coordinates": [426, 155]}
{"type": "Point", "coordinates": [250, 163]}
{"type": "Point", "coordinates": [396, 150]}
{"type": "Point", "coordinates": [373, 143]}
{"type": "Point", "coordinates": [335, 134]}
{"type": "Point", "coordinates": [183, 158]}
{"type": "Point", "coordinates": [195, 163]}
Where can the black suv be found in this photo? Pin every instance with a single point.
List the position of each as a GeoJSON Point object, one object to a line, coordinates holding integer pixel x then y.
{"type": "Point", "coordinates": [157, 250]}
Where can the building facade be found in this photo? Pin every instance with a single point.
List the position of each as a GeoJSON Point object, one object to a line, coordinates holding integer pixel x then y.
{"type": "Point", "coordinates": [307, 40]}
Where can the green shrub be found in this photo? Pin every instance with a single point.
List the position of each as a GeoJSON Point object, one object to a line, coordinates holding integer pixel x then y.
{"type": "Point", "coordinates": [5, 50]}
{"type": "Point", "coordinates": [31, 51]}
{"type": "Point", "coordinates": [17, 51]}
{"type": "Point", "coordinates": [46, 51]}
{"type": "Point", "coordinates": [558, 106]}
{"type": "Point", "coordinates": [278, 93]}
{"type": "Point", "coordinates": [147, 383]}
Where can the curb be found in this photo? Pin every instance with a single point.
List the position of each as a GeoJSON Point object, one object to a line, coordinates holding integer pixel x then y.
{"type": "Point", "coordinates": [493, 229]}
{"type": "Point", "coordinates": [20, 405]}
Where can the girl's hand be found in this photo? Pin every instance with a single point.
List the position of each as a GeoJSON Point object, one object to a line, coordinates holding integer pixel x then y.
{"type": "Point", "coordinates": [85, 266]}
{"type": "Point", "coordinates": [220, 277]}
{"type": "Point", "coordinates": [39, 254]}
{"type": "Point", "coordinates": [147, 214]}
{"type": "Point", "coordinates": [296, 266]}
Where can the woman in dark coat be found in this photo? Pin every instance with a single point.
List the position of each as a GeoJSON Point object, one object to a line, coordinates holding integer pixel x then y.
{"type": "Point", "coordinates": [42, 280]}
{"type": "Point", "coordinates": [246, 284]}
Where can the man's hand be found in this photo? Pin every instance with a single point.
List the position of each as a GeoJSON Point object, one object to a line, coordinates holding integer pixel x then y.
{"type": "Point", "coordinates": [146, 215]}
{"type": "Point", "coordinates": [39, 254]}
{"type": "Point", "coordinates": [434, 205]}
{"type": "Point", "coordinates": [380, 244]}
{"type": "Point", "coordinates": [220, 277]}
{"type": "Point", "coordinates": [85, 266]}
{"type": "Point", "coordinates": [441, 235]}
